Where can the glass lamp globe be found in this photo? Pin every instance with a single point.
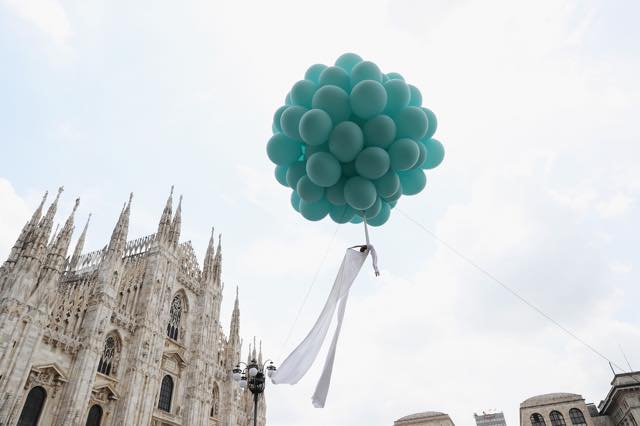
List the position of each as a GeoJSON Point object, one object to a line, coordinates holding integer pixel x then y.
{"type": "Point", "coordinates": [253, 371]}
{"type": "Point", "coordinates": [243, 382]}
{"type": "Point", "coordinates": [236, 377]}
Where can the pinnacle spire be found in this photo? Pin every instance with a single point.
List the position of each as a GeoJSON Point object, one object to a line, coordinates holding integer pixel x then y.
{"type": "Point", "coordinates": [77, 252]}
{"type": "Point", "coordinates": [119, 235]}
{"type": "Point", "coordinates": [61, 243]}
{"type": "Point", "coordinates": [164, 227]}
{"type": "Point", "coordinates": [176, 224]}
{"type": "Point", "coordinates": [217, 264]}
{"type": "Point", "coordinates": [27, 232]}
{"type": "Point", "coordinates": [35, 246]}
{"type": "Point", "coordinates": [207, 267]}
{"type": "Point", "coordinates": [234, 334]}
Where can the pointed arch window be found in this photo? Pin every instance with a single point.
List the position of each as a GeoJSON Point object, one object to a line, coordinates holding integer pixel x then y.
{"type": "Point", "coordinates": [32, 407]}
{"type": "Point", "coordinates": [557, 419]}
{"type": "Point", "coordinates": [166, 393]}
{"type": "Point", "coordinates": [175, 314]}
{"type": "Point", "coordinates": [110, 354]}
{"type": "Point", "coordinates": [215, 401]}
{"type": "Point", "coordinates": [95, 416]}
{"type": "Point", "coordinates": [577, 418]}
{"type": "Point", "coordinates": [537, 420]}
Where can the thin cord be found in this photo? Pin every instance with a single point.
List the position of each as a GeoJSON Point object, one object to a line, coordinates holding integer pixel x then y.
{"type": "Point", "coordinates": [513, 292]}
{"type": "Point", "coordinates": [313, 283]}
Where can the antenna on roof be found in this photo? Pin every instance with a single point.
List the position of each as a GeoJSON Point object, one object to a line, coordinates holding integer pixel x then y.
{"type": "Point", "coordinates": [626, 359]}
{"type": "Point", "coordinates": [611, 367]}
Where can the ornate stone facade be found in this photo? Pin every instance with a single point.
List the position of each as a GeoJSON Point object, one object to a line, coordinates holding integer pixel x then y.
{"type": "Point", "coordinates": [126, 335]}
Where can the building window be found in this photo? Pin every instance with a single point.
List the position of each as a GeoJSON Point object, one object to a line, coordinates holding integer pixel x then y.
{"type": "Point", "coordinates": [110, 355]}
{"type": "Point", "coordinates": [175, 314]}
{"type": "Point", "coordinates": [577, 418]}
{"type": "Point", "coordinates": [32, 407]}
{"type": "Point", "coordinates": [557, 419]}
{"type": "Point", "coordinates": [537, 420]}
{"type": "Point", "coordinates": [215, 401]}
{"type": "Point", "coordinates": [95, 416]}
{"type": "Point", "coordinates": [166, 392]}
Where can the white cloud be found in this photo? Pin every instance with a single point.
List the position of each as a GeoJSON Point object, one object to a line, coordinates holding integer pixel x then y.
{"type": "Point", "coordinates": [48, 16]}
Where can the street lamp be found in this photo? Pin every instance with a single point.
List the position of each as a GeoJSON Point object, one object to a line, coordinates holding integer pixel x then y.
{"type": "Point", "coordinates": [252, 376]}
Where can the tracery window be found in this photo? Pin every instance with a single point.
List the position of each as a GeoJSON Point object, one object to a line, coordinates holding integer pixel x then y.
{"type": "Point", "coordinates": [557, 419]}
{"type": "Point", "coordinates": [32, 407]}
{"type": "Point", "coordinates": [215, 401]}
{"type": "Point", "coordinates": [537, 420]}
{"type": "Point", "coordinates": [577, 418]}
{"type": "Point", "coordinates": [166, 392]}
{"type": "Point", "coordinates": [175, 314]}
{"type": "Point", "coordinates": [109, 358]}
{"type": "Point", "coordinates": [95, 416]}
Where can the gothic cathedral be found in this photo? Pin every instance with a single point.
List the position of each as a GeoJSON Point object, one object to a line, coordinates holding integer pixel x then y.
{"type": "Point", "coordinates": [127, 335]}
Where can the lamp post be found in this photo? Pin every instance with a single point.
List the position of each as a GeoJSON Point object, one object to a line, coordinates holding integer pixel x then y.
{"type": "Point", "coordinates": [252, 376]}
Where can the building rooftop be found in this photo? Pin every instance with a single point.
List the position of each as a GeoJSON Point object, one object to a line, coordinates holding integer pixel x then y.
{"type": "Point", "coordinates": [550, 398]}
{"type": "Point", "coordinates": [421, 416]}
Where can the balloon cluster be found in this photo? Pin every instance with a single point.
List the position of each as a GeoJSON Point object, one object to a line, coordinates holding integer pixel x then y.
{"type": "Point", "coordinates": [351, 140]}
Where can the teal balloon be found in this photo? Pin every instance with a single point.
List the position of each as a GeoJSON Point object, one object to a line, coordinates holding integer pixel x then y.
{"type": "Point", "coordinates": [346, 141]}
{"type": "Point", "coordinates": [295, 172]}
{"type": "Point", "coordinates": [388, 184]}
{"type": "Point", "coordinates": [411, 123]}
{"type": "Point", "coordinates": [309, 150]}
{"type": "Point", "coordinates": [404, 154]}
{"type": "Point", "coordinates": [295, 201]}
{"type": "Point", "coordinates": [290, 121]}
{"type": "Point", "coordinates": [394, 76]}
{"type": "Point", "coordinates": [315, 126]}
{"type": "Point", "coordinates": [335, 193]}
{"type": "Point", "coordinates": [360, 193]}
{"type": "Point", "coordinates": [416, 96]}
{"type": "Point", "coordinates": [365, 70]}
{"type": "Point", "coordinates": [412, 181]}
{"type": "Point", "coordinates": [333, 100]}
{"type": "Point", "coordinates": [314, 71]}
{"type": "Point", "coordinates": [323, 169]}
{"type": "Point", "coordinates": [435, 153]}
{"type": "Point", "coordinates": [287, 100]}
{"type": "Point", "coordinates": [382, 217]}
{"type": "Point", "coordinates": [392, 204]}
{"type": "Point", "coordinates": [395, 197]}
{"type": "Point", "coordinates": [368, 99]}
{"type": "Point", "coordinates": [379, 131]}
{"type": "Point", "coordinates": [281, 175]}
{"type": "Point", "coordinates": [283, 150]}
{"type": "Point", "coordinates": [308, 190]}
{"type": "Point", "coordinates": [341, 214]}
{"type": "Point", "coordinates": [384, 78]}
{"type": "Point", "coordinates": [356, 219]}
{"type": "Point", "coordinates": [276, 118]}
{"type": "Point", "coordinates": [374, 209]}
{"type": "Point", "coordinates": [398, 95]}
{"type": "Point", "coordinates": [347, 61]}
{"type": "Point", "coordinates": [314, 211]}
{"type": "Point", "coordinates": [335, 76]}
{"type": "Point", "coordinates": [302, 93]}
{"type": "Point", "coordinates": [372, 162]}
{"type": "Point", "coordinates": [422, 157]}
{"type": "Point", "coordinates": [432, 123]}
{"type": "Point", "coordinates": [349, 169]}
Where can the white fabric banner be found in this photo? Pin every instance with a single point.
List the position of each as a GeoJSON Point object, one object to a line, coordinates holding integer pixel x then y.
{"type": "Point", "coordinates": [296, 365]}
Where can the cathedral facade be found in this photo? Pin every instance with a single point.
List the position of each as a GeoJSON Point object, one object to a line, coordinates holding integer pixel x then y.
{"type": "Point", "coordinates": [126, 335]}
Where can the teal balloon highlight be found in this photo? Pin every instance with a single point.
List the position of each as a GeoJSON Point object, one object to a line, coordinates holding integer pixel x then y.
{"type": "Point", "coordinates": [356, 219]}
{"type": "Point", "coordinates": [432, 121]}
{"type": "Point", "coordinates": [368, 99]}
{"type": "Point", "coordinates": [290, 121]}
{"type": "Point", "coordinates": [360, 193]}
{"type": "Point", "coordinates": [395, 197]}
{"type": "Point", "coordinates": [435, 153]}
{"type": "Point", "coordinates": [382, 217]}
{"type": "Point", "coordinates": [422, 157]}
{"type": "Point", "coordinates": [335, 193]}
{"type": "Point", "coordinates": [315, 126]}
{"type": "Point", "coordinates": [412, 181]}
{"type": "Point", "coordinates": [411, 123]}
{"type": "Point", "coordinates": [346, 141]}
{"type": "Point", "coordinates": [372, 162]}
{"type": "Point", "coordinates": [416, 96]}
{"type": "Point", "coordinates": [314, 71]}
{"type": "Point", "coordinates": [334, 101]}
{"type": "Point", "coordinates": [314, 211]}
{"type": "Point", "coordinates": [347, 61]}
{"type": "Point", "coordinates": [404, 154]}
{"type": "Point", "coordinates": [295, 172]}
{"type": "Point", "coordinates": [394, 76]}
{"type": "Point", "coordinates": [365, 70]}
{"type": "Point", "coordinates": [398, 95]}
{"type": "Point", "coordinates": [323, 169]}
{"type": "Point", "coordinates": [295, 201]}
{"type": "Point", "coordinates": [335, 76]}
{"type": "Point", "coordinates": [302, 93]}
{"type": "Point", "coordinates": [388, 184]}
{"type": "Point", "coordinates": [308, 190]}
{"type": "Point", "coordinates": [374, 209]}
{"type": "Point", "coordinates": [283, 150]}
{"type": "Point", "coordinates": [276, 119]}
{"type": "Point", "coordinates": [380, 131]}
{"type": "Point", "coordinates": [341, 214]}
{"type": "Point", "coordinates": [281, 175]}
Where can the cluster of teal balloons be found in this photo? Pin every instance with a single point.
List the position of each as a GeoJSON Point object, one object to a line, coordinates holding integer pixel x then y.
{"type": "Point", "coordinates": [351, 140]}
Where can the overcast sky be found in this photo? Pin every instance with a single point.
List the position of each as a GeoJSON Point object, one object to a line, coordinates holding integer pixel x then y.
{"type": "Point", "coordinates": [538, 106]}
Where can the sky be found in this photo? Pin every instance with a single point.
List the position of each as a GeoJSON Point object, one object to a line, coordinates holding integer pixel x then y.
{"type": "Point", "coordinates": [537, 106]}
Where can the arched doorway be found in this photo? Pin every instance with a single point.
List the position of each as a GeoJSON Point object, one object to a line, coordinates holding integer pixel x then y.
{"type": "Point", "coordinates": [95, 416]}
{"type": "Point", "coordinates": [32, 407]}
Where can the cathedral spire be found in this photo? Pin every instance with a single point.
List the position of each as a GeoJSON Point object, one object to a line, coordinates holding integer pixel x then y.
{"type": "Point", "coordinates": [176, 224]}
{"type": "Point", "coordinates": [36, 244]}
{"type": "Point", "coordinates": [234, 333]}
{"type": "Point", "coordinates": [62, 240]}
{"type": "Point", "coordinates": [217, 263]}
{"type": "Point", "coordinates": [164, 227]}
{"type": "Point", "coordinates": [77, 252]}
{"type": "Point", "coordinates": [26, 232]}
{"type": "Point", "coordinates": [119, 235]}
{"type": "Point", "coordinates": [207, 267]}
